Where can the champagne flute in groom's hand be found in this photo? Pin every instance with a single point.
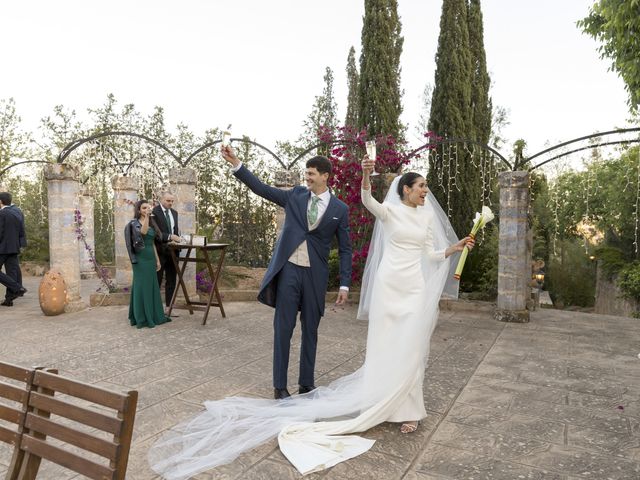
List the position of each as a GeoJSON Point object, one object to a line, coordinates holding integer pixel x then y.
{"type": "Point", "coordinates": [229, 155]}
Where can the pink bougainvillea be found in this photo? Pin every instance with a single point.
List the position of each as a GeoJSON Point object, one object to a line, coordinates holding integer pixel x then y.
{"type": "Point", "coordinates": [345, 155]}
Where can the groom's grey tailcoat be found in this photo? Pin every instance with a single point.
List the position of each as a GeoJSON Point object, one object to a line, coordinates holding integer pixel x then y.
{"type": "Point", "coordinates": [334, 222]}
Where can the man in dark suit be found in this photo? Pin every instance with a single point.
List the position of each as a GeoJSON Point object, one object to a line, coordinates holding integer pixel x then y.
{"type": "Point", "coordinates": [12, 237]}
{"type": "Point", "coordinates": [167, 220]}
{"type": "Point", "coordinates": [23, 237]}
{"type": "Point", "coordinates": [297, 276]}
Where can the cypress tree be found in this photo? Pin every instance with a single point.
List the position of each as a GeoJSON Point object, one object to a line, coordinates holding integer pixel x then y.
{"type": "Point", "coordinates": [351, 118]}
{"type": "Point", "coordinates": [379, 94]}
{"type": "Point", "coordinates": [452, 176]}
{"type": "Point", "coordinates": [480, 83]}
{"type": "Point", "coordinates": [323, 112]}
{"type": "Point", "coordinates": [481, 105]}
{"type": "Point", "coordinates": [450, 105]}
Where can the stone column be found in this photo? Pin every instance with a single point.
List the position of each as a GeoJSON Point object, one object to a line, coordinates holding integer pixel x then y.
{"type": "Point", "coordinates": [62, 199]}
{"type": "Point", "coordinates": [286, 180]}
{"type": "Point", "coordinates": [514, 263]}
{"type": "Point", "coordinates": [85, 205]}
{"type": "Point", "coordinates": [125, 193]}
{"type": "Point", "coordinates": [183, 186]}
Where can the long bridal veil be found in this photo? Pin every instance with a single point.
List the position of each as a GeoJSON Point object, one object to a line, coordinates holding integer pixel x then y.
{"type": "Point", "coordinates": [311, 428]}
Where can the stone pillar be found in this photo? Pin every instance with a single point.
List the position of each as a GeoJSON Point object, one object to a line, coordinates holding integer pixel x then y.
{"type": "Point", "coordinates": [286, 180]}
{"type": "Point", "coordinates": [62, 199]}
{"type": "Point", "coordinates": [125, 194]}
{"type": "Point", "coordinates": [85, 205]}
{"type": "Point", "coordinates": [514, 263]}
{"type": "Point", "coordinates": [183, 186]}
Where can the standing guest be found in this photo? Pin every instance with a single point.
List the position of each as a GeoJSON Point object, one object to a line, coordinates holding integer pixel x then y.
{"type": "Point", "coordinates": [12, 237]}
{"type": "Point", "coordinates": [167, 220]}
{"type": "Point", "coordinates": [145, 306]}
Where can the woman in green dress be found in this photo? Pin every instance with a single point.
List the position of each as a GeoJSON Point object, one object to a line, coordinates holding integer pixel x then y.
{"type": "Point", "coordinates": [145, 307]}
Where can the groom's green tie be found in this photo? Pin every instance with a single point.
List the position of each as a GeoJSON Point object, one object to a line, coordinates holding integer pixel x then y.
{"type": "Point", "coordinates": [166, 215]}
{"type": "Point", "coordinates": [312, 214]}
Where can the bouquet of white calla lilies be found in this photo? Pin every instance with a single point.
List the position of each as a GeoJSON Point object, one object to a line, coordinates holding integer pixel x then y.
{"type": "Point", "coordinates": [480, 220]}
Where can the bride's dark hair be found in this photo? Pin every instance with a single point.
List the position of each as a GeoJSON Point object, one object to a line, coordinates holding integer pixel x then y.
{"type": "Point", "coordinates": [407, 179]}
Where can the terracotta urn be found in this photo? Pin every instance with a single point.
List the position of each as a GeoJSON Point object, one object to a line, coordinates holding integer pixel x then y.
{"type": "Point", "coordinates": [52, 293]}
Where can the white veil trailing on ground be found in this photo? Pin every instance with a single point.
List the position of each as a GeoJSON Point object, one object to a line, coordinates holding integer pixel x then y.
{"type": "Point", "coordinates": [443, 237]}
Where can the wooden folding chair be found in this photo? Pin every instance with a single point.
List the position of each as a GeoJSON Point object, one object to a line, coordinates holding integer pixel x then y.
{"type": "Point", "coordinates": [81, 427]}
{"type": "Point", "coordinates": [14, 399]}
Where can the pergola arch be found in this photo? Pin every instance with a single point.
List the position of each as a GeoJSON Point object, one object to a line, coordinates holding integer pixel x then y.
{"type": "Point", "coordinates": [514, 184]}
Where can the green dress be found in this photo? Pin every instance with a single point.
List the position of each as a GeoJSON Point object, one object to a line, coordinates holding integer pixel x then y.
{"type": "Point", "coordinates": [145, 306]}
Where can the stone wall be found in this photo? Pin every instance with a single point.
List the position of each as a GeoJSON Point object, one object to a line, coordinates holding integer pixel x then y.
{"type": "Point", "coordinates": [609, 299]}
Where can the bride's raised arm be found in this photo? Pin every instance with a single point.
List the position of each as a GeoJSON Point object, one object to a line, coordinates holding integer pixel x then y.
{"type": "Point", "coordinates": [378, 209]}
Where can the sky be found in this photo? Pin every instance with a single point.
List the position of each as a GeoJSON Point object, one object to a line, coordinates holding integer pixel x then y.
{"type": "Point", "coordinates": [258, 65]}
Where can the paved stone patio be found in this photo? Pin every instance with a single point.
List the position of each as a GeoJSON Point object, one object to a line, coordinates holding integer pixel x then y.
{"type": "Point", "coordinates": [558, 398]}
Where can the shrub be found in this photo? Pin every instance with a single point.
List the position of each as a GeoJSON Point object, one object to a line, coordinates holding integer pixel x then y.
{"type": "Point", "coordinates": [570, 276]}
{"type": "Point", "coordinates": [611, 260]}
{"type": "Point", "coordinates": [629, 281]}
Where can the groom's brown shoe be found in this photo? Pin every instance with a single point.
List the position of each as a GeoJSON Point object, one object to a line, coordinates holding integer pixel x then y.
{"type": "Point", "coordinates": [306, 389]}
{"type": "Point", "coordinates": [280, 393]}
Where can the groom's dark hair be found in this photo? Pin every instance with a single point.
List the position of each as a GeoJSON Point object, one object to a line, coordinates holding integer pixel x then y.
{"type": "Point", "coordinates": [320, 163]}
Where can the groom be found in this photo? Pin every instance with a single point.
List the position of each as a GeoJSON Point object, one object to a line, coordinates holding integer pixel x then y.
{"type": "Point", "coordinates": [296, 279]}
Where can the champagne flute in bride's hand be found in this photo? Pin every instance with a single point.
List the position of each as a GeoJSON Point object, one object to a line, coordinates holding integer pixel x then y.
{"type": "Point", "coordinates": [371, 153]}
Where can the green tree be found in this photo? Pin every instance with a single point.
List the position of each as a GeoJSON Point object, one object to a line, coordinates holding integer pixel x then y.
{"type": "Point", "coordinates": [480, 82]}
{"type": "Point", "coordinates": [323, 114]}
{"type": "Point", "coordinates": [14, 143]}
{"type": "Point", "coordinates": [603, 195]}
{"type": "Point", "coordinates": [243, 219]}
{"type": "Point", "coordinates": [596, 206]}
{"type": "Point", "coordinates": [616, 25]}
{"type": "Point", "coordinates": [570, 276]}
{"type": "Point", "coordinates": [351, 118]}
{"type": "Point", "coordinates": [30, 194]}
{"type": "Point", "coordinates": [423, 120]}
{"type": "Point", "coordinates": [451, 102]}
{"type": "Point", "coordinates": [499, 120]}
{"type": "Point", "coordinates": [58, 130]}
{"type": "Point", "coordinates": [454, 181]}
{"type": "Point", "coordinates": [379, 93]}
{"type": "Point", "coordinates": [540, 217]}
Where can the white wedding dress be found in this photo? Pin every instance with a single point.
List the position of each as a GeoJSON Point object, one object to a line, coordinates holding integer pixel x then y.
{"type": "Point", "coordinates": [404, 278]}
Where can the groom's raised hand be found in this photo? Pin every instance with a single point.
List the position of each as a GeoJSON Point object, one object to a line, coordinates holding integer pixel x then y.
{"type": "Point", "coordinates": [229, 155]}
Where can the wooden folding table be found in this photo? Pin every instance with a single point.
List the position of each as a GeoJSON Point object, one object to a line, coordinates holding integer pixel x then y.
{"type": "Point", "coordinates": [181, 261]}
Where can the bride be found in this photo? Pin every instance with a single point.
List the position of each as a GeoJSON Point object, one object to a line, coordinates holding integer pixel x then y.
{"type": "Point", "coordinates": [407, 271]}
